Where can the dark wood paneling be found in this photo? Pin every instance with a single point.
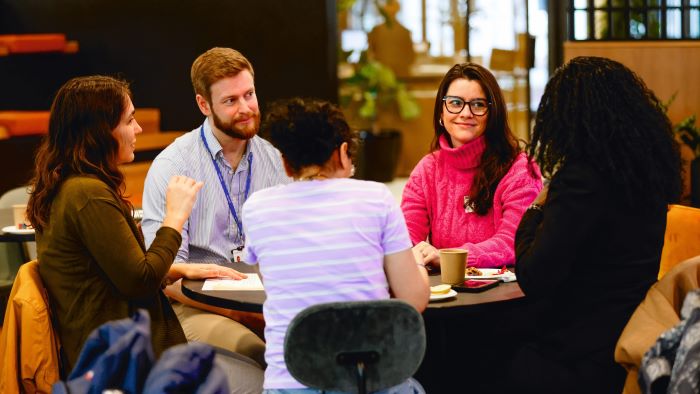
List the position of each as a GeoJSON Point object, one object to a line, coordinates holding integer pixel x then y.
{"type": "Point", "coordinates": [152, 43]}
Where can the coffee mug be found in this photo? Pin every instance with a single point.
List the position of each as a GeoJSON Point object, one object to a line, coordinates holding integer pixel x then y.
{"type": "Point", "coordinates": [453, 262]}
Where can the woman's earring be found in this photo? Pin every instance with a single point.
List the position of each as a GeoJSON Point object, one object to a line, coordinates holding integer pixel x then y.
{"type": "Point", "coordinates": [352, 171]}
{"type": "Point", "coordinates": [440, 121]}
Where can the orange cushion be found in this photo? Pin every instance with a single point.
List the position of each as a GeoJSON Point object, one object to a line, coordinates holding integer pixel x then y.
{"type": "Point", "coordinates": [27, 43]}
{"type": "Point", "coordinates": [682, 238]}
{"type": "Point", "coordinates": [20, 123]}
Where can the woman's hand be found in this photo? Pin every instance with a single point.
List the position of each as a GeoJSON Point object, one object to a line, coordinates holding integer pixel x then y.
{"type": "Point", "coordinates": [202, 271]}
{"type": "Point", "coordinates": [179, 200]}
{"type": "Point", "coordinates": [426, 253]}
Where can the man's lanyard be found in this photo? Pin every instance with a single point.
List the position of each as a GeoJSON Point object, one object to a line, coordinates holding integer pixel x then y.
{"type": "Point", "coordinates": [239, 224]}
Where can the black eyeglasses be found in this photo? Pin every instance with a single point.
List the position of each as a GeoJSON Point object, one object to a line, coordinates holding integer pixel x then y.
{"type": "Point", "coordinates": [455, 105]}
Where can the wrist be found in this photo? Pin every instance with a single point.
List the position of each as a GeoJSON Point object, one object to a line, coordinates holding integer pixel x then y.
{"type": "Point", "coordinates": [177, 271]}
{"type": "Point", "coordinates": [173, 222]}
{"type": "Point", "coordinates": [167, 280]}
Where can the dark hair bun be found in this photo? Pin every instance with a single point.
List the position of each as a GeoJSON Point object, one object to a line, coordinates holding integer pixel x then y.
{"type": "Point", "coordinates": [306, 131]}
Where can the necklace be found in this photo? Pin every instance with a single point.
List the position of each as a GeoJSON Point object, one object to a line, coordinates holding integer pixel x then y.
{"type": "Point", "coordinates": [316, 176]}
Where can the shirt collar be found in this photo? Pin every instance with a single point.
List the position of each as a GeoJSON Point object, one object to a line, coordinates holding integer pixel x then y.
{"type": "Point", "coordinates": [217, 150]}
{"type": "Point", "coordinates": [214, 145]}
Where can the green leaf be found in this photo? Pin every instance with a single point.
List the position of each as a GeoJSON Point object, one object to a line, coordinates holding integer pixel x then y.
{"type": "Point", "coordinates": [408, 107]}
{"type": "Point", "coordinates": [344, 5]}
{"type": "Point", "coordinates": [374, 87]}
{"type": "Point", "coordinates": [385, 77]}
{"type": "Point", "coordinates": [667, 104]}
{"type": "Point", "coordinates": [368, 110]}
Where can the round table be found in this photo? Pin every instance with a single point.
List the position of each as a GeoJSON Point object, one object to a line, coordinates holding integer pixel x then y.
{"type": "Point", "coordinates": [252, 301]}
{"type": "Point", "coordinates": [462, 333]}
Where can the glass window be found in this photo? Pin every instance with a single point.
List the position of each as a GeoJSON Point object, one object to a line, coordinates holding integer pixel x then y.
{"type": "Point", "coordinates": [673, 24]}
{"type": "Point", "coordinates": [694, 25]}
{"type": "Point", "coordinates": [500, 37]}
{"type": "Point", "coordinates": [601, 25]}
{"type": "Point", "coordinates": [438, 33]}
{"type": "Point", "coordinates": [654, 24]}
{"type": "Point", "coordinates": [580, 25]}
{"type": "Point", "coordinates": [638, 27]}
{"type": "Point", "coordinates": [618, 3]}
{"type": "Point", "coordinates": [635, 19]}
{"type": "Point", "coordinates": [580, 4]}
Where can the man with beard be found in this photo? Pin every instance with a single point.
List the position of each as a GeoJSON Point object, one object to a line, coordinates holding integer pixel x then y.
{"type": "Point", "coordinates": [233, 162]}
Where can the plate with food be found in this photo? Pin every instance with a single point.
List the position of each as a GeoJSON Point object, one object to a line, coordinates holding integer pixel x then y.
{"type": "Point", "coordinates": [490, 273]}
{"type": "Point", "coordinates": [441, 292]}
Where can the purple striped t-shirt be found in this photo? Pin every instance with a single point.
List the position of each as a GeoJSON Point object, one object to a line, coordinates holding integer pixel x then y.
{"type": "Point", "coordinates": [315, 242]}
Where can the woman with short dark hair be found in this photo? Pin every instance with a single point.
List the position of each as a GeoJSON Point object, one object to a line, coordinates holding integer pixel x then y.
{"type": "Point", "coordinates": [324, 237]}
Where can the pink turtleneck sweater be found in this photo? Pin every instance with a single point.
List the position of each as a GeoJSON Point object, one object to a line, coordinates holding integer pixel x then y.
{"type": "Point", "coordinates": [433, 204]}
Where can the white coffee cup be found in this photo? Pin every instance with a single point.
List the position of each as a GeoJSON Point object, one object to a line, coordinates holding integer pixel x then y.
{"type": "Point", "coordinates": [19, 213]}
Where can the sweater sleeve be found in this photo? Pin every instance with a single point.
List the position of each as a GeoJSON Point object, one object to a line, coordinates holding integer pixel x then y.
{"type": "Point", "coordinates": [415, 205]}
{"type": "Point", "coordinates": [105, 232]}
{"type": "Point", "coordinates": [518, 189]}
{"type": "Point", "coordinates": [546, 240]}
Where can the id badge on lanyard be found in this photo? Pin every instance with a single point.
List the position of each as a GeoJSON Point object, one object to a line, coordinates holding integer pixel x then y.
{"type": "Point", "coordinates": [237, 254]}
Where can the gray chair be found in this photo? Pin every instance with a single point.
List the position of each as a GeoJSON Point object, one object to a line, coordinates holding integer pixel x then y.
{"type": "Point", "coordinates": [350, 347]}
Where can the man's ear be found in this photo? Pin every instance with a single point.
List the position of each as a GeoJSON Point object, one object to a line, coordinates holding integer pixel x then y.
{"type": "Point", "coordinates": [203, 105]}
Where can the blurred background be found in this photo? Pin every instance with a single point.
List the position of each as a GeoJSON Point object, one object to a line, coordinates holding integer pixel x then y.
{"type": "Point", "coordinates": [381, 60]}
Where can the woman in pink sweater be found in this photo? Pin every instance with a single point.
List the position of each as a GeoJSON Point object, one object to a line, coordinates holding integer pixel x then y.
{"type": "Point", "coordinates": [472, 189]}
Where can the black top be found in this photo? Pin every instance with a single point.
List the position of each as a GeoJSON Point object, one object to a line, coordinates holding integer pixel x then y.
{"type": "Point", "coordinates": [587, 260]}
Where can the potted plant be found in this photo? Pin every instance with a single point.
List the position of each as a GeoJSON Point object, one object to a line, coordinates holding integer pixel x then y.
{"type": "Point", "coordinates": [373, 88]}
{"type": "Point", "coordinates": [689, 134]}
{"type": "Point", "coordinates": [370, 88]}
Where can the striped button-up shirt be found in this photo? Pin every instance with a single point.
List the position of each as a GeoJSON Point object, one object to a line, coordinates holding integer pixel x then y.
{"type": "Point", "coordinates": [211, 232]}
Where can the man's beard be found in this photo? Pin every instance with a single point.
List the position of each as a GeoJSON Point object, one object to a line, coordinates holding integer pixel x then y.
{"type": "Point", "coordinates": [245, 132]}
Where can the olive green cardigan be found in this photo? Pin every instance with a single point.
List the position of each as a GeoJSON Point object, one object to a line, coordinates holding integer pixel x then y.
{"type": "Point", "coordinates": [95, 266]}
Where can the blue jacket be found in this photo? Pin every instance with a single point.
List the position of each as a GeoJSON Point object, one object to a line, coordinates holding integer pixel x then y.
{"type": "Point", "coordinates": [187, 368]}
{"type": "Point", "coordinates": [119, 355]}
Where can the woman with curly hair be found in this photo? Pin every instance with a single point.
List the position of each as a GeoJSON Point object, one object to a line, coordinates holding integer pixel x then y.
{"type": "Point", "coordinates": [324, 237]}
{"type": "Point", "coordinates": [92, 258]}
{"type": "Point", "coordinates": [472, 189]}
{"type": "Point", "coordinates": [588, 249]}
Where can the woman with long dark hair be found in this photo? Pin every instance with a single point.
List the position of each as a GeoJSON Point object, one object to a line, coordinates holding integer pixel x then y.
{"type": "Point", "coordinates": [588, 249]}
{"type": "Point", "coordinates": [472, 189]}
{"type": "Point", "coordinates": [92, 258]}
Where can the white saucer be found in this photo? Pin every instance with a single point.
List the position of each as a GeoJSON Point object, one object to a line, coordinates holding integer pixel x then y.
{"type": "Point", "coordinates": [15, 230]}
{"type": "Point", "coordinates": [449, 294]}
